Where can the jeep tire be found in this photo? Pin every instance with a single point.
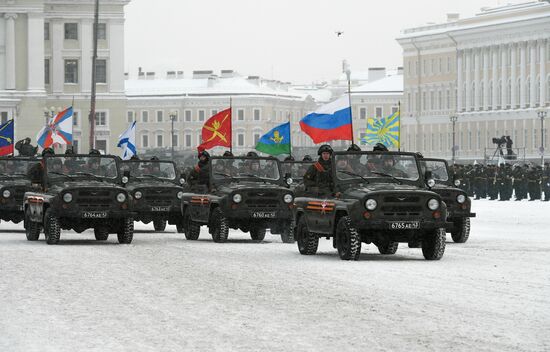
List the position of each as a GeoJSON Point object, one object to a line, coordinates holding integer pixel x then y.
{"type": "Point", "coordinates": [433, 244]}
{"type": "Point", "coordinates": [220, 226]}
{"type": "Point", "coordinates": [462, 230]}
{"type": "Point", "coordinates": [159, 225]}
{"type": "Point", "coordinates": [287, 234]}
{"type": "Point", "coordinates": [348, 240]}
{"type": "Point", "coordinates": [388, 247]}
{"type": "Point", "coordinates": [307, 241]}
{"type": "Point", "coordinates": [257, 234]}
{"type": "Point", "coordinates": [101, 233]}
{"type": "Point", "coordinates": [32, 229]}
{"type": "Point", "coordinates": [125, 234]}
{"type": "Point", "coordinates": [52, 229]}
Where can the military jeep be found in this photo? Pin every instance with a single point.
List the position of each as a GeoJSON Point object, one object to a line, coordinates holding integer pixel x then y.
{"type": "Point", "coordinates": [457, 201]}
{"type": "Point", "coordinates": [156, 191]}
{"type": "Point", "coordinates": [246, 193]}
{"type": "Point", "coordinates": [13, 185]}
{"type": "Point", "coordinates": [79, 192]}
{"type": "Point", "coordinates": [376, 197]}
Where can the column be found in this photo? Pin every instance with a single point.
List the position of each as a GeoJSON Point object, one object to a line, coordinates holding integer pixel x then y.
{"type": "Point", "coordinates": [486, 90]}
{"type": "Point", "coordinates": [35, 51]}
{"type": "Point", "coordinates": [468, 53]}
{"type": "Point", "coordinates": [513, 75]}
{"type": "Point", "coordinates": [522, 74]}
{"type": "Point", "coordinates": [10, 50]}
{"type": "Point", "coordinates": [460, 81]}
{"type": "Point", "coordinates": [533, 74]}
{"type": "Point", "coordinates": [116, 61]}
{"type": "Point", "coordinates": [86, 46]}
{"type": "Point", "coordinates": [495, 80]}
{"type": "Point", "coordinates": [542, 60]}
{"type": "Point", "coordinates": [504, 76]}
{"type": "Point", "coordinates": [477, 79]}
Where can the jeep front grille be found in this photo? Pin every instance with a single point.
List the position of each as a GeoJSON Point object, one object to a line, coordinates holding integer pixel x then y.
{"type": "Point", "coordinates": [159, 197]}
{"type": "Point", "coordinates": [95, 199]}
{"type": "Point", "coordinates": [259, 199]}
{"type": "Point", "coordinates": [19, 194]}
{"type": "Point", "coordinates": [402, 205]}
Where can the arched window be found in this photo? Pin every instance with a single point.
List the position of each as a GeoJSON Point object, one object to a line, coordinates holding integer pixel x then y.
{"type": "Point", "coordinates": [499, 95]}
{"type": "Point", "coordinates": [464, 92]}
{"type": "Point", "coordinates": [491, 95]}
{"type": "Point", "coordinates": [528, 91]}
{"type": "Point", "coordinates": [482, 95]}
{"type": "Point", "coordinates": [518, 92]}
{"type": "Point", "coordinates": [509, 93]}
{"type": "Point", "coordinates": [473, 96]}
{"type": "Point", "coordinates": [537, 92]}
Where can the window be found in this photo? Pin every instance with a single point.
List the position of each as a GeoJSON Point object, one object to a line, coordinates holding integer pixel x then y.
{"type": "Point", "coordinates": [256, 138]}
{"type": "Point", "coordinates": [145, 141]}
{"type": "Point", "coordinates": [448, 65]}
{"type": "Point", "coordinates": [187, 115]}
{"type": "Point", "coordinates": [378, 113]}
{"type": "Point", "coordinates": [439, 100]}
{"type": "Point", "coordinates": [188, 141]}
{"type": "Point", "coordinates": [174, 140]}
{"type": "Point", "coordinates": [256, 114]}
{"type": "Point", "coordinates": [71, 31]}
{"type": "Point", "coordinates": [535, 135]}
{"type": "Point", "coordinates": [394, 109]}
{"type": "Point", "coordinates": [46, 71]}
{"type": "Point", "coordinates": [3, 116]}
{"type": "Point", "coordinates": [362, 136]}
{"type": "Point", "coordinates": [240, 115]}
{"type": "Point", "coordinates": [432, 101]}
{"type": "Point", "coordinates": [130, 116]}
{"type": "Point", "coordinates": [201, 115]}
{"type": "Point", "coordinates": [101, 145]}
{"type": "Point", "coordinates": [160, 116]}
{"type": "Point", "coordinates": [101, 118]}
{"type": "Point", "coordinates": [160, 140]}
{"type": "Point", "coordinates": [448, 104]}
{"type": "Point", "coordinates": [240, 140]}
{"type": "Point", "coordinates": [101, 71]}
{"type": "Point", "coordinates": [145, 116]}
{"type": "Point", "coordinates": [424, 106]}
{"type": "Point", "coordinates": [75, 145]}
{"type": "Point", "coordinates": [71, 71]}
{"type": "Point", "coordinates": [469, 140]}
{"type": "Point", "coordinates": [213, 112]}
{"type": "Point", "coordinates": [46, 30]}
{"type": "Point", "coordinates": [101, 31]}
{"type": "Point", "coordinates": [76, 119]}
{"type": "Point", "coordinates": [363, 113]}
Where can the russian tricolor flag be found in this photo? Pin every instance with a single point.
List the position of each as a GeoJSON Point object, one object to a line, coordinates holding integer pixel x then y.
{"type": "Point", "coordinates": [330, 122]}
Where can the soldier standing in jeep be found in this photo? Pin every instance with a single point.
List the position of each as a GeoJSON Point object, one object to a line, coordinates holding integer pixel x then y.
{"type": "Point", "coordinates": [319, 175]}
{"type": "Point", "coordinates": [200, 174]}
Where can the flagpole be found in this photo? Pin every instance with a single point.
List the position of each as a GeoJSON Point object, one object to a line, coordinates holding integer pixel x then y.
{"type": "Point", "coordinates": [231, 124]}
{"type": "Point", "coordinates": [348, 73]}
{"type": "Point", "coordinates": [91, 116]}
{"type": "Point", "coordinates": [290, 134]}
{"type": "Point", "coordinates": [399, 139]}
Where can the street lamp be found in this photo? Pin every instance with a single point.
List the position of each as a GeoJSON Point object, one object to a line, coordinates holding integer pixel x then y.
{"type": "Point", "coordinates": [49, 113]}
{"type": "Point", "coordinates": [453, 119]}
{"type": "Point", "coordinates": [173, 116]}
{"type": "Point", "coordinates": [542, 114]}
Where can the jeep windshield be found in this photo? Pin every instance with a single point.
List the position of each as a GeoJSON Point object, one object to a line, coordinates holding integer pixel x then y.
{"type": "Point", "coordinates": [370, 167]}
{"type": "Point", "coordinates": [245, 169]}
{"type": "Point", "coordinates": [154, 169]}
{"type": "Point", "coordinates": [296, 169]}
{"type": "Point", "coordinates": [438, 168]}
{"type": "Point", "coordinates": [15, 168]}
{"type": "Point", "coordinates": [81, 167]}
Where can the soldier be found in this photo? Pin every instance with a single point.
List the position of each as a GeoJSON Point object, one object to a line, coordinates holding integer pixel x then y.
{"type": "Point", "coordinates": [469, 172]}
{"type": "Point", "coordinates": [479, 180]}
{"type": "Point", "coordinates": [533, 182]}
{"type": "Point", "coordinates": [500, 183]}
{"type": "Point", "coordinates": [25, 148]}
{"type": "Point", "coordinates": [546, 182]}
{"type": "Point", "coordinates": [200, 174]}
{"type": "Point", "coordinates": [319, 175]}
{"type": "Point", "coordinates": [492, 189]}
{"type": "Point", "coordinates": [518, 175]}
{"type": "Point", "coordinates": [36, 172]}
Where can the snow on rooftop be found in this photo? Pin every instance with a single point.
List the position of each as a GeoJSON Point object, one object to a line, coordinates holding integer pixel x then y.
{"type": "Point", "coordinates": [390, 84]}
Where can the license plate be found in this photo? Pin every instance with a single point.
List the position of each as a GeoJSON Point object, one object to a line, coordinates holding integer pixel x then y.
{"type": "Point", "coordinates": [160, 208]}
{"type": "Point", "coordinates": [94, 214]}
{"type": "Point", "coordinates": [404, 225]}
{"type": "Point", "coordinates": [263, 214]}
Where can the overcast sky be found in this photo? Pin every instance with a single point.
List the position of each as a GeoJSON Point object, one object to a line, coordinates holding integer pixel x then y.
{"type": "Point", "coordinates": [289, 40]}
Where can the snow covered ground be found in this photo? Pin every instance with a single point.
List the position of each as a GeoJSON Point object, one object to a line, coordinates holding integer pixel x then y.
{"type": "Point", "coordinates": [163, 293]}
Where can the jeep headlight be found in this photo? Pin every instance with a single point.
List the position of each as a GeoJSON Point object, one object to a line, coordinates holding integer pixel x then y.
{"type": "Point", "coordinates": [6, 193]}
{"type": "Point", "coordinates": [237, 198]}
{"type": "Point", "coordinates": [457, 183]}
{"type": "Point", "coordinates": [461, 198]}
{"type": "Point", "coordinates": [433, 204]}
{"type": "Point", "coordinates": [371, 204]}
{"type": "Point", "coordinates": [121, 197]}
{"type": "Point", "coordinates": [288, 198]}
{"type": "Point", "coordinates": [138, 195]}
{"type": "Point", "coordinates": [67, 197]}
{"type": "Point", "coordinates": [180, 195]}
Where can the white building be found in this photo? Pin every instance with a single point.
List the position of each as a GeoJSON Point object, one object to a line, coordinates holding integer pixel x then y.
{"type": "Point", "coordinates": [46, 61]}
{"type": "Point", "coordinates": [492, 71]}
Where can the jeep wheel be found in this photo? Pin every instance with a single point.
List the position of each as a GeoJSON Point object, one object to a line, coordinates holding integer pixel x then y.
{"type": "Point", "coordinates": [180, 228]}
{"type": "Point", "coordinates": [101, 233]}
{"type": "Point", "coordinates": [220, 227]}
{"type": "Point", "coordinates": [287, 235]}
{"type": "Point", "coordinates": [463, 230]}
{"type": "Point", "coordinates": [307, 241]}
{"type": "Point", "coordinates": [32, 229]}
{"type": "Point", "coordinates": [433, 244]}
{"type": "Point", "coordinates": [257, 234]}
{"type": "Point", "coordinates": [348, 240]}
{"type": "Point", "coordinates": [126, 233]}
{"type": "Point", "coordinates": [159, 225]}
{"type": "Point", "coordinates": [388, 247]}
{"type": "Point", "coordinates": [191, 229]}
{"type": "Point", "coordinates": [52, 230]}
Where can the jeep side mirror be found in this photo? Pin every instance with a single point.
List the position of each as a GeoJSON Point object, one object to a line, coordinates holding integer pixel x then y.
{"type": "Point", "coordinates": [430, 182]}
{"type": "Point", "coordinates": [125, 177]}
{"type": "Point", "coordinates": [182, 179]}
{"type": "Point", "coordinates": [288, 178]}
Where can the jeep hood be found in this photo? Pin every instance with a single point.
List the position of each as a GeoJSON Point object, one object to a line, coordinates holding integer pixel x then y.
{"type": "Point", "coordinates": [373, 189]}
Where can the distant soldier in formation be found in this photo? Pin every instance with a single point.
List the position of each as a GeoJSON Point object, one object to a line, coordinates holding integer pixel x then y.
{"type": "Point", "coordinates": [546, 182]}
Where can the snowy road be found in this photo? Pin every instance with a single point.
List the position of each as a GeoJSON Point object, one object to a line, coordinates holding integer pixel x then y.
{"type": "Point", "coordinates": [163, 293]}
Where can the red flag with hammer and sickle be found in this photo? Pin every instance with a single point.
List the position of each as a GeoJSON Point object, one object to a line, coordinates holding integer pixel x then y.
{"type": "Point", "coordinates": [217, 131]}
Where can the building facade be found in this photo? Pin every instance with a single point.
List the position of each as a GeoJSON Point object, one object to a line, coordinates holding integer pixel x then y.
{"type": "Point", "coordinates": [491, 71]}
{"type": "Point", "coordinates": [46, 62]}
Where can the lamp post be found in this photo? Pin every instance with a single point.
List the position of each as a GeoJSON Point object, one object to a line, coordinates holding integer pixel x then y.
{"type": "Point", "coordinates": [542, 115]}
{"type": "Point", "coordinates": [173, 116]}
{"type": "Point", "coordinates": [49, 113]}
{"type": "Point", "coordinates": [453, 119]}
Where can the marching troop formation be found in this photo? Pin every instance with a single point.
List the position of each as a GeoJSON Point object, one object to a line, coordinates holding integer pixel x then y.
{"type": "Point", "coordinates": [351, 198]}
